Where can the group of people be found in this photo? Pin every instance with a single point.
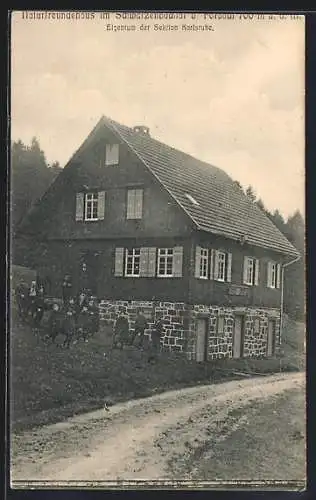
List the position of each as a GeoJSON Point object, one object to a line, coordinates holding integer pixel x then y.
{"type": "Point", "coordinates": [75, 315]}
{"type": "Point", "coordinates": [124, 336]}
{"type": "Point", "coordinates": [30, 302]}
{"type": "Point", "coordinates": [78, 316]}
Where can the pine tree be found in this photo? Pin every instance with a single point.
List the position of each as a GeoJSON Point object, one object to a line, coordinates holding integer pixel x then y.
{"type": "Point", "coordinates": [251, 193]}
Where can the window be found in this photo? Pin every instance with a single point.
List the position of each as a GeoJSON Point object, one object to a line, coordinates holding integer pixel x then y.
{"type": "Point", "coordinates": [132, 262]}
{"type": "Point", "coordinates": [141, 262]}
{"type": "Point", "coordinates": [91, 206]}
{"type": "Point", "coordinates": [222, 266]}
{"type": "Point", "coordinates": [165, 262]}
{"type": "Point", "coordinates": [274, 272]}
{"type": "Point", "coordinates": [201, 262]}
{"type": "Point", "coordinates": [192, 200]}
{"type": "Point", "coordinates": [220, 324]}
{"type": "Point", "coordinates": [256, 326]}
{"type": "Point", "coordinates": [251, 271]}
{"type": "Point", "coordinates": [134, 204]}
{"type": "Point", "coordinates": [111, 154]}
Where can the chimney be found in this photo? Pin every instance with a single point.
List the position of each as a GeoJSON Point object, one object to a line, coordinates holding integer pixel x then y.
{"type": "Point", "coordinates": [141, 130]}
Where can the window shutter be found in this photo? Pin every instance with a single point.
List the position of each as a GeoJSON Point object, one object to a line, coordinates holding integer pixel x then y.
{"type": "Point", "coordinates": [215, 275]}
{"type": "Point", "coordinates": [138, 204]}
{"type": "Point", "coordinates": [111, 154]}
{"type": "Point", "coordinates": [151, 262]}
{"type": "Point", "coordinates": [130, 203]}
{"type": "Point", "coordinates": [212, 258]}
{"type": "Point", "coordinates": [79, 206]}
{"type": "Point", "coordinates": [177, 261]}
{"type": "Point", "coordinates": [197, 261]}
{"type": "Point", "coordinates": [229, 267]}
{"type": "Point", "coordinates": [257, 266]}
{"type": "Point", "coordinates": [101, 204]}
{"type": "Point", "coordinates": [119, 258]}
{"type": "Point", "coordinates": [143, 262]}
{"type": "Point", "coordinates": [278, 279]}
{"type": "Point", "coordinates": [269, 277]}
{"type": "Point", "coordinates": [245, 270]}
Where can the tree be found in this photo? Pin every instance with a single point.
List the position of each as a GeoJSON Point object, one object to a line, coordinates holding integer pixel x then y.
{"type": "Point", "coordinates": [237, 183]}
{"type": "Point", "coordinates": [260, 204]}
{"type": "Point", "coordinates": [251, 193]}
{"type": "Point", "coordinates": [30, 177]}
{"type": "Point", "coordinates": [294, 278]}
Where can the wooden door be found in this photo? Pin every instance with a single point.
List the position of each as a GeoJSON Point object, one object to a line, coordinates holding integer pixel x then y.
{"type": "Point", "coordinates": [201, 340]}
{"type": "Point", "coordinates": [271, 338]}
{"type": "Point", "coordinates": [238, 336]}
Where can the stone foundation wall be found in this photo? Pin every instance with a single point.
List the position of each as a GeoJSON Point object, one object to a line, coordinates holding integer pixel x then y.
{"type": "Point", "coordinates": [174, 317]}
{"type": "Point", "coordinates": [221, 328]}
{"type": "Point", "coordinates": [180, 321]}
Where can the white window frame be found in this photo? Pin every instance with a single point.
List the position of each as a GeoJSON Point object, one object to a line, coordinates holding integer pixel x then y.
{"type": "Point", "coordinates": [204, 263]}
{"type": "Point", "coordinates": [250, 262]}
{"type": "Point", "coordinates": [92, 198]}
{"type": "Point", "coordinates": [273, 278]}
{"type": "Point", "coordinates": [132, 254]}
{"type": "Point", "coordinates": [133, 213]}
{"type": "Point", "coordinates": [221, 254]}
{"type": "Point", "coordinates": [164, 254]}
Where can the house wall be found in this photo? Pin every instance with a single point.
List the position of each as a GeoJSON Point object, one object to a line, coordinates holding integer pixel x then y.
{"type": "Point", "coordinates": [202, 291]}
{"type": "Point", "coordinates": [161, 214]}
{"type": "Point", "coordinates": [220, 345]}
{"type": "Point", "coordinates": [180, 321]}
{"type": "Point", "coordinates": [57, 258]}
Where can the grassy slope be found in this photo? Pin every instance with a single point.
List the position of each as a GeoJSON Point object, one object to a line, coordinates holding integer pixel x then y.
{"type": "Point", "coordinates": [49, 383]}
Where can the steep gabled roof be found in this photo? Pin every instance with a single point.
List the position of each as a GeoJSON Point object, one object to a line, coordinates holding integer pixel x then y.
{"type": "Point", "coordinates": [218, 205]}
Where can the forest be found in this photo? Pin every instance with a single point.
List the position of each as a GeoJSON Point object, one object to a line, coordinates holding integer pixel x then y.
{"type": "Point", "coordinates": [31, 175]}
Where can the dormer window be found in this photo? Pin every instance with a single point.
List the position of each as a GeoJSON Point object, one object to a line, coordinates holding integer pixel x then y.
{"type": "Point", "coordinates": [192, 200]}
{"type": "Point", "coordinates": [111, 154]}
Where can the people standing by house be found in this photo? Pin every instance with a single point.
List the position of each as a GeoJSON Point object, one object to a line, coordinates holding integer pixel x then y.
{"type": "Point", "coordinates": [82, 315]}
{"type": "Point", "coordinates": [121, 330]}
{"type": "Point", "coordinates": [93, 315]}
{"type": "Point", "coordinates": [39, 307]}
{"type": "Point", "coordinates": [69, 321]}
{"type": "Point", "coordinates": [21, 296]}
{"type": "Point", "coordinates": [32, 293]}
{"type": "Point", "coordinates": [66, 288]}
{"type": "Point", "coordinates": [157, 334]}
{"type": "Point", "coordinates": [139, 328]}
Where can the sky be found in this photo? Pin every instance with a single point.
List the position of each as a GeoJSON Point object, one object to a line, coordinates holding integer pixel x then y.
{"type": "Point", "coordinates": [232, 95]}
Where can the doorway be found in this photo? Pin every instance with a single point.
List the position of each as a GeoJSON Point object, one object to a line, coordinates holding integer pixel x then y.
{"type": "Point", "coordinates": [201, 339]}
{"type": "Point", "coordinates": [238, 337]}
{"type": "Point", "coordinates": [271, 338]}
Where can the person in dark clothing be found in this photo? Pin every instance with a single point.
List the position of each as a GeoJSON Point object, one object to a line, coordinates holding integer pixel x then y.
{"type": "Point", "coordinates": [22, 299]}
{"type": "Point", "coordinates": [39, 307]}
{"type": "Point", "coordinates": [121, 330]}
{"type": "Point", "coordinates": [69, 322]}
{"type": "Point", "coordinates": [156, 335]}
{"type": "Point", "coordinates": [139, 328]}
{"type": "Point", "coordinates": [66, 288]}
{"type": "Point", "coordinates": [94, 316]}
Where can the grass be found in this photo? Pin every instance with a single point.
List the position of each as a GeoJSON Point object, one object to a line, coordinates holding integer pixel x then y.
{"type": "Point", "coordinates": [49, 383]}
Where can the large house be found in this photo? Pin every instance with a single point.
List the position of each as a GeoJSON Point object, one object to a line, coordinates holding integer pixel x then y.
{"type": "Point", "coordinates": [142, 224]}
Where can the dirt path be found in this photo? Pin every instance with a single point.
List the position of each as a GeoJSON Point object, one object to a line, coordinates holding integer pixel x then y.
{"type": "Point", "coordinates": [153, 438]}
